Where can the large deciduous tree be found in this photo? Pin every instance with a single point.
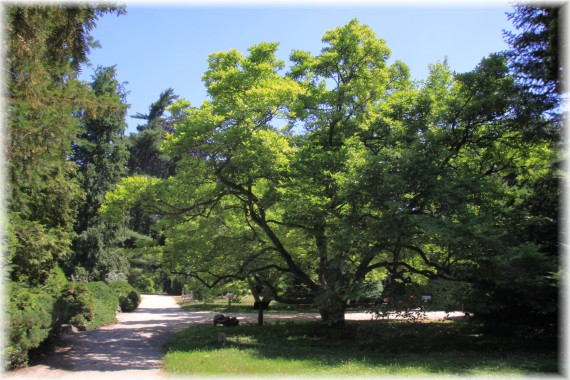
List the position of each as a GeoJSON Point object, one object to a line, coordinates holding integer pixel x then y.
{"type": "Point", "coordinates": [373, 174]}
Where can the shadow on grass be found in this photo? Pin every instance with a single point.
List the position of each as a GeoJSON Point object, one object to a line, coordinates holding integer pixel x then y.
{"type": "Point", "coordinates": [244, 308]}
{"type": "Point", "coordinates": [424, 348]}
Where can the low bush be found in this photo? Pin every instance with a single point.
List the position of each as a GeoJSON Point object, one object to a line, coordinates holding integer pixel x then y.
{"type": "Point", "coordinates": [75, 306]}
{"type": "Point", "coordinates": [30, 317]}
{"type": "Point", "coordinates": [105, 304]}
{"type": "Point", "coordinates": [129, 297]}
{"type": "Point", "coordinates": [145, 284]}
{"type": "Point", "coordinates": [35, 314]}
{"type": "Point", "coordinates": [87, 305]}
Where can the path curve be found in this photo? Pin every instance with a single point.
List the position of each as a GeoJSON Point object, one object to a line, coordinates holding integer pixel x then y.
{"type": "Point", "coordinates": [134, 346]}
{"type": "Point", "coordinates": [131, 348]}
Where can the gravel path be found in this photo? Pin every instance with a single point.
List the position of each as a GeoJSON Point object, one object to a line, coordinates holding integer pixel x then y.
{"type": "Point", "coordinates": [133, 347]}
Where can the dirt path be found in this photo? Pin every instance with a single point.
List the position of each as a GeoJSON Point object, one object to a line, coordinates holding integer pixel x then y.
{"type": "Point", "coordinates": [133, 347]}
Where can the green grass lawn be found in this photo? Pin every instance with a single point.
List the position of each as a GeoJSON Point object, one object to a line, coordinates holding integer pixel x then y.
{"type": "Point", "coordinates": [220, 305]}
{"type": "Point", "coordinates": [364, 348]}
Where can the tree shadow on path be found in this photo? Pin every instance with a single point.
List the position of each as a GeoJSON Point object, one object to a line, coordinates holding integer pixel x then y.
{"type": "Point", "coordinates": [131, 348]}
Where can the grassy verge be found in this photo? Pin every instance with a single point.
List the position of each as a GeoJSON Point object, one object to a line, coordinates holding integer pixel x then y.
{"type": "Point", "coordinates": [359, 349]}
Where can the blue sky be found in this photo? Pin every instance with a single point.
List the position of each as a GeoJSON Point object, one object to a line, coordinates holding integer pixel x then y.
{"type": "Point", "coordinates": [156, 47]}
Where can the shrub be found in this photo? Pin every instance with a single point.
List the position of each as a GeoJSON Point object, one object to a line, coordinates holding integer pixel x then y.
{"type": "Point", "coordinates": [34, 314]}
{"type": "Point", "coordinates": [145, 284]}
{"type": "Point", "coordinates": [56, 282]}
{"type": "Point", "coordinates": [129, 298]}
{"type": "Point", "coordinates": [87, 305]}
{"type": "Point", "coordinates": [30, 318]}
{"type": "Point", "coordinates": [75, 306]}
{"type": "Point", "coordinates": [115, 276]}
{"type": "Point", "coordinates": [105, 303]}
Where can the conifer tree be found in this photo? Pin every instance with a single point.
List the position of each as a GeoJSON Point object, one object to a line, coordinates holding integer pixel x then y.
{"type": "Point", "coordinates": [45, 47]}
{"type": "Point", "coordinates": [101, 156]}
{"type": "Point", "coordinates": [146, 157]}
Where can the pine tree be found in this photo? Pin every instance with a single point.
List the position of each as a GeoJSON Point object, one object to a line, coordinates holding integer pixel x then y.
{"type": "Point", "coordinates": [146, 156]}
{"type": "Point", "coordinates": [143, 247]}
{"type": "Point", "coordinates": [535, 60]}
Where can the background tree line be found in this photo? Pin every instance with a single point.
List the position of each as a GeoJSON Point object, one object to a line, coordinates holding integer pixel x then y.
{"type": "Point", "coordinates": [375, 178]}
{"type": "Point", "coordinates": [66, 148]}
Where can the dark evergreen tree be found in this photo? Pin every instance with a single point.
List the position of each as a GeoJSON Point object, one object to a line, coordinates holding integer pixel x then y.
{"type": "Point", "coordinates": [535, 60]}
{"type": "Point", "coordinates": [146, 157]}
{"type": "Point", "coordinates": [142, 246]}
{"type": "Point", "coordinates": [45, 46]}
{"type": "Point", "coordinates": [522, 289]}
{"type": "Point", "coordinates": [101, 151]}
{"type": "Point", "coordinates": [535, 50]}
{"type": "Point", "coordinates": [101, 155]}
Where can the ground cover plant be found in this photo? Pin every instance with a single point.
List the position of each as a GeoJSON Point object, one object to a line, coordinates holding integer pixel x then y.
{"type": "Point", "coordinates": [363, 348]}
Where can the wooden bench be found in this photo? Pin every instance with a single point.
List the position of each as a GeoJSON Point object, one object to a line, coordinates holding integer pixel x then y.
{"type": "Point", "coordinates": [187, 297]}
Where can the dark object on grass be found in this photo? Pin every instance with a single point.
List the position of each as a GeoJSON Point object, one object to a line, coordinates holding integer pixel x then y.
{"type": "Point", "coordinates": [226, 321]}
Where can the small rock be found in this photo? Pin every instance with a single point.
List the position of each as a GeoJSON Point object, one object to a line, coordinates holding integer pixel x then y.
{"type": "Point", "coordinates": [68, 329]}
{"type": "Point", "coordinates": [219, 318]}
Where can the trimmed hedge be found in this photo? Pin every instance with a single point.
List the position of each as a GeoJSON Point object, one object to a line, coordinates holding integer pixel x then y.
{"type": "Point", "coordinates": [129, 297]}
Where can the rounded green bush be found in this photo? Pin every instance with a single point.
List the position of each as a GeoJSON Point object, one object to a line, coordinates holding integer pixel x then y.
{"type": "Point", "coordinates": [145, 283]}
{"type": "Point", "coordinates": [30, 322]}
{"type": "Point", "coordinates": [129, 297]}
{"type": "Point", "coordinates": [75, 305]}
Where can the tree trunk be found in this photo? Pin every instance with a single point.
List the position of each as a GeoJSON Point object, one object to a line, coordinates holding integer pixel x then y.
{"type": "Point", "coordinates": [333, 317]}
{"type": "Point", "coordinates": [332, 307]}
